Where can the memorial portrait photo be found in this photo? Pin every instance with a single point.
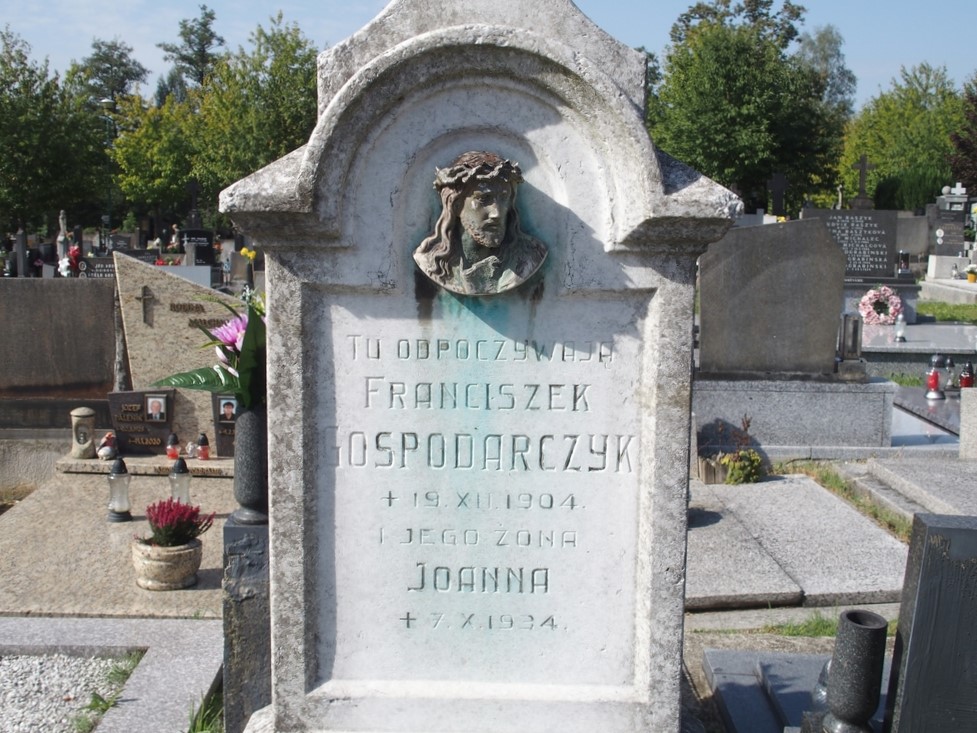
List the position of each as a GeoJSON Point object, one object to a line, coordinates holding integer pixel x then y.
{"type": "Point", "coordinates": [156, 407]}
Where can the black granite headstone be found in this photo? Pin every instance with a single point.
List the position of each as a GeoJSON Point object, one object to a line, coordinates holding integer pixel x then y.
{"type": "Point", "coordinates": [203, 240]}
{"type": "Point", "coordinates": [96, 267]}
{"type": "Point", "coordinates": [142, 420]}
{"type": "Point", "coordinates": [934, 664]}
{"type": "Point", "coordinates": [120, 241]}
{"type": "Point", "coordinates": [868, 239]}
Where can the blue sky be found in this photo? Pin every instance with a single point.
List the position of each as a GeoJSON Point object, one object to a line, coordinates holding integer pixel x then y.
{"type": "Point", "coordinates": [880, 35]}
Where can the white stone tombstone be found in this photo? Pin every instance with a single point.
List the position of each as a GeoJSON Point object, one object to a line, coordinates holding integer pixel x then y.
{"type": "Point", "coordinates": [478, 503]}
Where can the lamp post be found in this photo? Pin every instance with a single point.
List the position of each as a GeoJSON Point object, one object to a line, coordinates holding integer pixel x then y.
{"type": "Point", "coordinates": [108, 106]}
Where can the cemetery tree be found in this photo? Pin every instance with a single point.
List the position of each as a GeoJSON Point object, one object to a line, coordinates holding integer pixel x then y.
{"type": "Point", "coordinates": [50, 142]}
{"type": "Point", "coordinates": [173, 84]}
{"type": "Point", "coordinates": [822, 53]}
{"type": "Point", "coordinates": [109, 72]}
{"type": "Point", "coordinates": [154, 152]}
{"type": "Point", "coordinates": [258, 105]}
{"type": "Point", "coordinates": [779, 28]}
{"type": "Point", "coordinates": [963, 161]}
{"type": "Point", "coordinates": [906, 133]}
{"type": "Point", "coordinates": [735, 106]}
{"type": "Point", "coordinates": [194, 56]}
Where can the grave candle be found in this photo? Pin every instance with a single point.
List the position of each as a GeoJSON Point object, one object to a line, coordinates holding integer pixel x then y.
{"type": "Point", "coordinates": [173, 447]}
{"type": "Point", "coordinates": [203, 447]}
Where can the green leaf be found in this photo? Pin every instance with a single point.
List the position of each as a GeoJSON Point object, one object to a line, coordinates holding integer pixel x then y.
{"type": "Point", "coordinates": [210, 379]}
{"type": "Point", "coordinates": [252, 363]}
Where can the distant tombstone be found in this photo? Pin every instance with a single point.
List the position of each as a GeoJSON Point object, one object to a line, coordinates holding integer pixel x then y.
{"type": "Point", "coordinates": [201, 243]}
{"type": "Point", "coordinates": [142, 420]}
{"type": "Point", "coordinates": [162, 314]}
{"type": "Point", "coordinates": [503, 548]}
{"type": "Point", "coordinates": [96, 267]}
{"type": "Point", "coordinates": [934, 663]}
{"type": "Point", "coordinates": [120, 241]}
{"type": "Point", "coordinates": [868, 239]}
{"type": "Point", "coordinates": [947, 220]}
{"type": "Point", "coordinates": [770, 298]}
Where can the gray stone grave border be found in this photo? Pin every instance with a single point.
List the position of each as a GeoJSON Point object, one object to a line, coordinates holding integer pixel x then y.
{"type": "Point", "coordinates": [181, 666]}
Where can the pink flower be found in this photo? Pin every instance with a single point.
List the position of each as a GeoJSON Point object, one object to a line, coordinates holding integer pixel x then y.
{"type": "Point", "coordinates": [231, 334]}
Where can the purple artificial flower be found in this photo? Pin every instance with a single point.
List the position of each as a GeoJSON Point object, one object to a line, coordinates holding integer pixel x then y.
{"type": "Point", "coordinates": [231, 334]}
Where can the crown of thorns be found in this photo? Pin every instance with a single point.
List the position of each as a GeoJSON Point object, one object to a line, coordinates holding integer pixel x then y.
{"type": "Point", "coordinates": [480, 166]}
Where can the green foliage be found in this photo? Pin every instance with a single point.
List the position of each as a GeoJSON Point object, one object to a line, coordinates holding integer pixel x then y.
{"type": "Point", "coordinates": [952, 312]}
{"type": "Point", "coordinates": [115, 679]}
{"type": "Point", "coordinates": [743, 466]}
{"type": "Point", "coordinates": [963, 161]}
{"type": "Point", "coordinates": [51, 143]}
{"type": "Point", "coordinates": [194, 56]}
{"type": "Point", "coordinates": [813, 625]}
{"type": "Point", "coordinates": [109, 72]}
{"type": "Point", "coordinates": [257, 106]}
{"type": "Point", "coordinates": [209, 717]}
{"type": "Point", "coordinates": [735, 106]}
{"type": "Point", "coordinates": [905, 380]}
{"type": "Point", "coordinates": [906, 134]}
{"type": "Point", "coordinates": [154, 151]}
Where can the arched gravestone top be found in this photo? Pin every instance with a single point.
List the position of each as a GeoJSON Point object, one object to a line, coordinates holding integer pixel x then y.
{"type": "Point", "coordinates": [550, 405]}
{"type": "Point", "coordinates": [537, 67]}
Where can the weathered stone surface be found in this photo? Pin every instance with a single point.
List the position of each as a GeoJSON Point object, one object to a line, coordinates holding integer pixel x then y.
{"type": "Point", "coordinates": [163, 337]}
{"type": "Point", "coordinates": [770, 299]}
{"type": "Point", "coordinates": [455, 481]}
{"type": "Point", "coordinates": [59, 338]}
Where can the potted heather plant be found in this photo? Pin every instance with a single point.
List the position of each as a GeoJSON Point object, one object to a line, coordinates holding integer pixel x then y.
{"type": "Point", "coordinates": [170, 557]}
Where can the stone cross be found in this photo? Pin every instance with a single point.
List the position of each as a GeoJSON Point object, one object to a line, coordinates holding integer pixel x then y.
{"type": "Point", "coordinates": [146, 298]}
{"type": "Point", "coordinates": [863, 167]}
{"type": "Point", "coordinates": [958, 190]}
{"type": "Point", "coordinates": [778, 187]}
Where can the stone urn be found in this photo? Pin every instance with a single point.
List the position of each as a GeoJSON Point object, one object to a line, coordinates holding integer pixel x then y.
{"type": "Point", "coordinates": [166, 568]}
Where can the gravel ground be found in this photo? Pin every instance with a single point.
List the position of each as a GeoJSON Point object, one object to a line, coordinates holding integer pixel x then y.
{"type": "Point", "coordinates": [48, 692]}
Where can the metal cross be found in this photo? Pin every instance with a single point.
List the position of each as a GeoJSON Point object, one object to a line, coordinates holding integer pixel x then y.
{"type": "Point", "coordinates": [146, 299]}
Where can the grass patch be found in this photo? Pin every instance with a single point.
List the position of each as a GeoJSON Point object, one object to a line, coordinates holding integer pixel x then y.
{"type": "Point", "coordinates": [115, 679]}
{"type": "Point", "coordinates": [11, 495]}
{"type": "Point", "coordinates": [813, 626]}
{"type": "Point", "coordinates": [906, 380]}
{"type": "Point", "coordinates": [953, 312]}
{"type": "Point", "coordinates": [209, 717]}
{"type": "Point", "coordinates": [829, 478]}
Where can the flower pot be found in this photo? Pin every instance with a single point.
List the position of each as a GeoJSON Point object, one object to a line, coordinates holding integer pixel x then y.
{"type": "Point", "coordinates": [251, 466]}
{"type": "Point", "coordinates": [166, 568]}
{"type": "Point", "coordinates": [711, 471]}
{"type": "Point", "coordinates": [972, 277]}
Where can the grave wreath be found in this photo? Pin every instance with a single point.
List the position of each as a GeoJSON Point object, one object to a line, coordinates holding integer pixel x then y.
{"type": "Point", "coordinates": [880, 306]}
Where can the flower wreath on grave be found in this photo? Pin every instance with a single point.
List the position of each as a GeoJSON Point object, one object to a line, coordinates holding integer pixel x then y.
{"type": "Point", "coordinates": [241, 356]}
{"type": "Point", "coordinates": [880, 306]}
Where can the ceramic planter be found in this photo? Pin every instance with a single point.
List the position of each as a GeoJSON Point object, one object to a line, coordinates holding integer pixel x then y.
{"type": "Point", "coordinates": [166, 568]}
